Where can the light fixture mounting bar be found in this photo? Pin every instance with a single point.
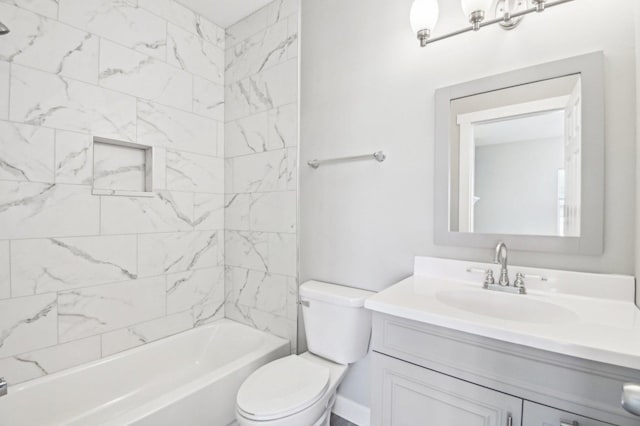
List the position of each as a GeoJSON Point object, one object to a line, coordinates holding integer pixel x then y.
{"type": "Point", "coordinates": [504, 18]}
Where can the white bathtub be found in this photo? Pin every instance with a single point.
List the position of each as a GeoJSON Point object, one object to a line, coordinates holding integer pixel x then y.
{"type": "Point", "coordinates": [187, 379]}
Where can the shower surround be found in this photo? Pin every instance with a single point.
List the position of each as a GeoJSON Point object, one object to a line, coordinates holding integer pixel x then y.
{"type": "Point", "coordinates": [85, 276]}
{"type": "Point", "coordinates": [261, 140]}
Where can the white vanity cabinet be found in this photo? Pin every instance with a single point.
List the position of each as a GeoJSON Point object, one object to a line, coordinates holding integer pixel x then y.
{"type": "Point", "coordinates": [434, 376]}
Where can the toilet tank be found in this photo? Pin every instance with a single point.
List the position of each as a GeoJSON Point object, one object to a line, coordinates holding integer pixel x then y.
{"type": "Point", "coordinates": [337, 325]}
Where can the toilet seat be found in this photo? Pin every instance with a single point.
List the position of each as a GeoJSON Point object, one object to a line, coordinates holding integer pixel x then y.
{"type": "Point", "coordinates": [282, 388]}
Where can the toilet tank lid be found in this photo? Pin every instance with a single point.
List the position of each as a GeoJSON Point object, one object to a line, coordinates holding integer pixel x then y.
{"type": "Point", "coordinates": [334, 293]}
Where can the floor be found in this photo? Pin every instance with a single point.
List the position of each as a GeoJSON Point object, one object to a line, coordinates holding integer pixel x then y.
{"type": "Point", "coordinates": [339, 421]}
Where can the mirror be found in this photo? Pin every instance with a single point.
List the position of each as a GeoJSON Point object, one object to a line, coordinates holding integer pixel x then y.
{"type": "Point", "coordinates": [515, 148]}
{"type": "Point", "coordinates": [519, 158]}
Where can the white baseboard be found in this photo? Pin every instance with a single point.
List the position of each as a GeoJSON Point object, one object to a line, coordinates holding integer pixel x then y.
{"type": "Point", "coordinates": [352, 411]}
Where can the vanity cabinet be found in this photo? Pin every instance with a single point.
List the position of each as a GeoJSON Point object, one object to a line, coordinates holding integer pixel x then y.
{"type": "Point", "coordinates": [434, 376]}
{"type": "Point", "coordinates": [414, 395]}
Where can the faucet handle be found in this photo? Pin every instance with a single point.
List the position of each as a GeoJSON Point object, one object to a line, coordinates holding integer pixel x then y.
{"type": "Point", "coordinates": [488, 279]}
{"type": "Point", "coordinates": [519, 281]}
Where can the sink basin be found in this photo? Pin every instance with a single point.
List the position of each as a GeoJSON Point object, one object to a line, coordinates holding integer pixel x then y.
{"type": "Point", "coordinates": [521, 308]}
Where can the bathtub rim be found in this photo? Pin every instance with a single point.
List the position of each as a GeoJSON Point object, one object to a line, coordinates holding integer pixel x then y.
{"type": "Point", "coordinates": [271, 341]}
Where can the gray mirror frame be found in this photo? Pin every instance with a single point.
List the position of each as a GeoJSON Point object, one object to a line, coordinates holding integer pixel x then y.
{"type": "Point", "coordinates": [591, 239]}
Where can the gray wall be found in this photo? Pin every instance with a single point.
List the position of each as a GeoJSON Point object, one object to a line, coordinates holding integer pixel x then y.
{"type": "Point", "coordinates": [366, 85]}
{"type": "Point", "coordinates": [518, 187]}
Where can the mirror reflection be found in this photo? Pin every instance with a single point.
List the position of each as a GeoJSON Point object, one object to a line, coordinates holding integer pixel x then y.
{"type": "Point", "coordinates": [516, 160]}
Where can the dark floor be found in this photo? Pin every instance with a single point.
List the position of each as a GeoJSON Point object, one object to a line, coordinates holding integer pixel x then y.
{"type": "Point", "coordinates": [339, 421]}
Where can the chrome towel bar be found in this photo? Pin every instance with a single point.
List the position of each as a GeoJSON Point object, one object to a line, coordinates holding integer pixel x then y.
{"type": "Point", "coordinates": [378, 156]}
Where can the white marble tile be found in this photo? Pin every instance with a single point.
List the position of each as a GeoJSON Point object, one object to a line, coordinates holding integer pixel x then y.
{"type": "Point", "coordinates": [259, 52]}
{"type": "Point", "coordinates": [208, 211]}
{"type": "Point", "coordinates": [119, 167]}
{"type": "Point", "coordinates": [292, 169]}
{"type": "Point", "coordinates": [74, 154]}
{"type": "Point", "coordinates": [177, 252]}
{"type": "Point", "coordinates": [5, 270]}
{"type": "Point", "coordinates": [48, 45]}
{"type": "Point", "coordinates": [283, 256]}
{"type": "Point", "coordinates": [27, 323]}
{"type": "Point", "coordinates": [128, 71]}
{"type": "Point", "coordinates": [266, 171]}
{"type": "Point", "coordinates": [194, 172]}
{"type": "Point", "coordinates": [165, 212]}
{"type": "Point", "coordinates": [258, 290]}
{"type": "Point", "coordinates": [186, 19]}
{"type": "Point", "coordinates": [279, 10]}
{"type": "Point", "coordinates": [118, 20]}
{"type": "Point", "coordinates": [31, 210]}
{"type": "Point", "coordinates": [228, 175]}
{"type": "Point", "coordinates": [247, 135]}
{"type": "Point", "coordinates": [220, 141]}
{"type": "Point", "coordinates": [293, 25]}
{"type": "Point", "coordinates": [31, 365]}
{"type": "Point", "coordinates": [274, 212]}
{"type": "Point", "coordinates": [139, 334]}
{"type": "Point", "coordinates": [247, 27]}
{"type": "Point", "coordinates": [283, 127]}
{"type": "Point", "coordinates": [53, 264]}
{"type": "Point", "coordinates": [275, 324]}
{"type": "Point", "coordinates": [273, 87]}
{"type": "Point", "coordinates": [208, 98]}
{"type": "Point", "coordinates": [247, 249]}
{"type": "Point", "coordinates": [292, 298]}
{"type": "Point", "coordinates": [236, 211]}
{"type": "Point", "coordinates": [159, 125]}
{"type": "Point", "coordinates": [195, 55]}
{"type": "Point", "coordinates": [26, 152]}
{"type": "Point", "coordinates": [200, 292]}
{"type": "Point", "coordinates": [93, 310]}
{"type": "Point", "coordinates": [157, 156]}
{"type": "Point", "coordinates": [5, 76]}
{"type": "Point", "coordinates": [47, 8]}
{"type": "Point", "coordinates": [48, 100]}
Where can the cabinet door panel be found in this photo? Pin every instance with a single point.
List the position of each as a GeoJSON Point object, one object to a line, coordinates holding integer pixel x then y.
{"type": "Point", "coordinates": [541, 415]}
{"type": "Point", "coordinates": [408, 395]}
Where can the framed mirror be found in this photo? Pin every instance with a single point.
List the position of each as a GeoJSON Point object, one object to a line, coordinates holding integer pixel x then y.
{"type": "Point", "coordinates": [519, 158]}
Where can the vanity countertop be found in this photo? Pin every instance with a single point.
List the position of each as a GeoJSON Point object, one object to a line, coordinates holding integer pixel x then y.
{"type": "Point", "coordinates": [590, 316]}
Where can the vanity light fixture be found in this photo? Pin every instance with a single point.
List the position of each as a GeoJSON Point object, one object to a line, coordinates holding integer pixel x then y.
{"type": "Point", "coordinates": [424, 15]}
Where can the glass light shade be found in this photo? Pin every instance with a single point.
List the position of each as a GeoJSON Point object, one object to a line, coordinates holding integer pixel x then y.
{"type": "Point", "coordinates": [424, 15]}
{"type": "Point", "coordinates": [470, 6]}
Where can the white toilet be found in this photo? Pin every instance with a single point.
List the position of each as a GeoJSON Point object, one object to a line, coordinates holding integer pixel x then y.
{"type": "Point", "coordinates": [300, 390]}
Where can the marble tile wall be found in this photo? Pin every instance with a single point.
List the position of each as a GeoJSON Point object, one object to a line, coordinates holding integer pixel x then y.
{"type": "Point", "coordinates": [84, 276]}
{"type": "Point", "coordinates": [261, 139]}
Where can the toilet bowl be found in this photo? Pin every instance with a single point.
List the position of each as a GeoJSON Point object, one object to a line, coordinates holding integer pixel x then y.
{"type": "Point", "coordinates": [292, 391]}
{"type": "Point", "coordinates": [300, 390]}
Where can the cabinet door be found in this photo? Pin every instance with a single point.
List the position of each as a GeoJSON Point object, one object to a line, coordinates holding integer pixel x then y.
{"type": "Point", "coordinates": [407, 395]}
{"type": "Point", "coordinates": [541, 415]}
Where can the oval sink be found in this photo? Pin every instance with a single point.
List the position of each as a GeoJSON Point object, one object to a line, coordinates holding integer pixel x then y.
{"type": "Point", "coordinates": [519, 308]}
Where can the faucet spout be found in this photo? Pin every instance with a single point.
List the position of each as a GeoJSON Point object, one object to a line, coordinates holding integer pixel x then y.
{"type": "Point", "coordinates": [501, 258]}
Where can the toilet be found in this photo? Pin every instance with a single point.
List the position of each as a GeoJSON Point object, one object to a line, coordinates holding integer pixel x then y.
{"type": "Point", "coordinates": [300, 390]}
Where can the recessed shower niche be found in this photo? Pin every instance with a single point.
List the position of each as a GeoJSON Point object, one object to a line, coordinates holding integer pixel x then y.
{"type": "Point", "coordinates": [127, 168]}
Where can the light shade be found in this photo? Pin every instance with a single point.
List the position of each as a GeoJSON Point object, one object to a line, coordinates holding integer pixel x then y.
{"type": "Point", "coordinates": [424, 15]}
{"type": "Point", "coordinates": [470, 6]}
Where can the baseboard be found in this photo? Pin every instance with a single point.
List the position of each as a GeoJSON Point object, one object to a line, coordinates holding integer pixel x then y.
{"type": "Point", "coordinates": [352, 411]}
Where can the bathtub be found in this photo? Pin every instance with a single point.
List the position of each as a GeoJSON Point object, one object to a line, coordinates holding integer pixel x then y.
{"type": "Point", "coordinates": [187, 379]}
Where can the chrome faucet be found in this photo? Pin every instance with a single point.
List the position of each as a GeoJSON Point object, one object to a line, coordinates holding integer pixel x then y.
{"type": "Point", "coordinates": [3, 386]}
{"type": "Point", "coordinates": [503, 284]}
{"type": "Point", "coordinates": [501, 258]}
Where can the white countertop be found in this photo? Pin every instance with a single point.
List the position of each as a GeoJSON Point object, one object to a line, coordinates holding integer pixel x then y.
{"type": "Point", "coordinates": [603, 326]}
